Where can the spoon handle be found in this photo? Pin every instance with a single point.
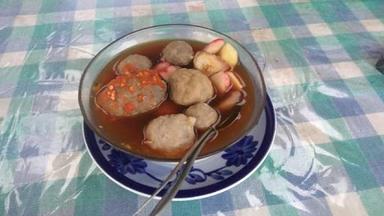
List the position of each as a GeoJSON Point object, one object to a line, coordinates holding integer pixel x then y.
{"type": "Point", "coordinates": [185, 170]}
{"type": "Point", "coordinates": [169, 177]}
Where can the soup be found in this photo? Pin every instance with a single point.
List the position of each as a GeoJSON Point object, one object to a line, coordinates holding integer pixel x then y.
{"type": "Point", "coordinates": [127, 131]}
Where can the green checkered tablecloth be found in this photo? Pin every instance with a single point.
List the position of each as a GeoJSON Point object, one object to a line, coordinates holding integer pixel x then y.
{"type": "Point", "coordinates": [328, 154]}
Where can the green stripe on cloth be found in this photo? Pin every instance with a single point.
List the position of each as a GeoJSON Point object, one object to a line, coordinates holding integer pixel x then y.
{"type": "Point", "coordinates": [322, 105]}
{"type": "Point", "coordinates": [55, 200]}
{"type": "Point", "coordinates": [162, 19]}
{"type": "Point", "coordinates": [218, 19]}
{"type": "Point", "coordinates": [273, 16]}
{"type": "Point", "coordinates": [355, 164]}
{"type": "Point", "coordinates": [373, 200]}
{"type": "Point", "coordinates": [282, 209]}
{"type": "Point", "coordinates": [190, 208]}
{"type": "Point", "coordinates": [91, 195]}
{"type": "Point", "coordinates": [377, 83]}
{"type": "Point", "coordinates": [376, 7]}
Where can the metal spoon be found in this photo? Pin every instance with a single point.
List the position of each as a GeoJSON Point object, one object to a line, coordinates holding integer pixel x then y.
{"type": "Point", "coordinates": [189, 158]}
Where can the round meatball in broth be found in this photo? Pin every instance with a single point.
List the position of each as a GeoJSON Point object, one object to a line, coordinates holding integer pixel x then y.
{"type": "Point", "coordinates": [132, 63]}
{"type": "Point", "coordinates": [189, 86]}
{"type": "Point", "coordinates": [170, 133]}
{"type": "Point", "coordinates": [131, 95]}
{"type": "Point", "coordinates": [178, 53]}
{"type": "Point", "coordinates": [204, 114]}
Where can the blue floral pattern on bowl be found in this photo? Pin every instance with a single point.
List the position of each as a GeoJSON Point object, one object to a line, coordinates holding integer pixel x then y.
{"type": "Point", "coordinates": [208, 176]}
{"type": "Point", "coordinates": [236, 155]}
{"type": "Point", "coordinates": [241, 152]}
{"type": "Point", "coordinates": [125, 163]}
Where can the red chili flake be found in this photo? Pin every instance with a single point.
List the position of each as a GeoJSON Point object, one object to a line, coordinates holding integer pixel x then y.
{"type": "Point", "coordinates": [140, 98]}
{"type": "Point", "coordinates": [112, 94]}
{"type": "Point", "coordinates": [129, 107]}
{"type": "Point", "coordinates": [131, 89]}
{"type": "Point", "coordinates": [123, 83]}
{"type": "Point", "coordinates": [119, 78]}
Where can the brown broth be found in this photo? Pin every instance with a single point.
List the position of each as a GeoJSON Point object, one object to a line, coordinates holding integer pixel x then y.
{"type": "Point", "coordinates": [128, 132]}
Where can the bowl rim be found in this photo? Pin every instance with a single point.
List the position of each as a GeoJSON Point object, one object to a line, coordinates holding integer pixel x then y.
{"type": "Point", "coordinates": [82, 109]}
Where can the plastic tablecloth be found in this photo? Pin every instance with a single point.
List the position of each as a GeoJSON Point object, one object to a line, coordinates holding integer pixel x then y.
{"type": "Point", "coordinates": [327, 156]}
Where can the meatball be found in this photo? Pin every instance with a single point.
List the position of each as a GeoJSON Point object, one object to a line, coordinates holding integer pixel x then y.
{"type": "Point", "coordinates": [204, 114]}
{"type": "Point", "coordinates": [170, 133]}
{"type": "Point", "coordinates": [189, 86]}
{"type": "Point", "coordinates": [133, 94]}
{"type": "Point", "coordinates": [178, 53]}
{"type": "Point", "coordinates": [133, 62]}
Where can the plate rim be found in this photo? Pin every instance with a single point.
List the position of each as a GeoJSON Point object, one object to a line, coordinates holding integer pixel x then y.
{"type": "Point", "coordinates": [202, 192]}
